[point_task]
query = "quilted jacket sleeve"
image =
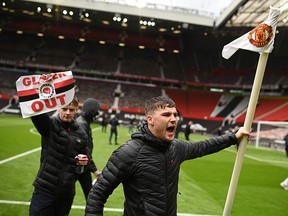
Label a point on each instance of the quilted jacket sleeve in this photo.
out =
(42, 123)
(83, 123)
(118, 167)
(190, 150)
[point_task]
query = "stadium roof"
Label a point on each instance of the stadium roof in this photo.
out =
(228, 13)
(174, 18)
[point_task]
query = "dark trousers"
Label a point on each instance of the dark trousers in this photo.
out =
(187, 136)
(47, 205)
(104, 128)
(113, 131)
(85, 181)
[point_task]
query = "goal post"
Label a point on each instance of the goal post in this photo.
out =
(270, 134)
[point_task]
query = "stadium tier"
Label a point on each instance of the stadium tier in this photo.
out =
(143, 63)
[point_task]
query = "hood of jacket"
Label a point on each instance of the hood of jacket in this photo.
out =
(90, 108)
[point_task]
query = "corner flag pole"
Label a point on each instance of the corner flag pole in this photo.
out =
(247, 126)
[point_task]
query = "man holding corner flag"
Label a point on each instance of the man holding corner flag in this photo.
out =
(148, 164)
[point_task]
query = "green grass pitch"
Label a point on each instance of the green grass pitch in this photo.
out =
(203, 183)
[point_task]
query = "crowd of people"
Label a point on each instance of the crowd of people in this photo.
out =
(141, 164)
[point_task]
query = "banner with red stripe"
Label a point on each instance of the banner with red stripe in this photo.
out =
(44, 93)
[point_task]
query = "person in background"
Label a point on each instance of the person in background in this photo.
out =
(90, 110)
(148, 164)
(188, 130)
(104, 122)
(179, 125)
(114, 122)
(131, 125)
(219, 131)
(286, 144)
(64, 150)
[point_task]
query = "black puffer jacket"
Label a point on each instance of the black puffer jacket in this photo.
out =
(149, 169)
(90, 109)
(61, 142)
(85, 124)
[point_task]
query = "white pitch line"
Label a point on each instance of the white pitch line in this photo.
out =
(19, 155)
(10, 202)
(97, 128)
(33, 131)
(14, 202)
(259, 159)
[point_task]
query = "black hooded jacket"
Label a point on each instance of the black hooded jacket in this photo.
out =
(149, 169)
(85, 124)
(89, 110)
(60, 142)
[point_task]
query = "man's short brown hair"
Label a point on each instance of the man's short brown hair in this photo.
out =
(75, 101)
(158, 102)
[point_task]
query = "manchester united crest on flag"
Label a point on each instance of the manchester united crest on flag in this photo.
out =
(260, 39)
(261, 35)
(44, 93)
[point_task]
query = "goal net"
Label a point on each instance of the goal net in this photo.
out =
(271, 134)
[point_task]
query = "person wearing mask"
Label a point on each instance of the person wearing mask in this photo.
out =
(90, 110)
(148, 164)
(63, 154)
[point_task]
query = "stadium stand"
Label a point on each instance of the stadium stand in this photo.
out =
(101, 90)
(16, 47)
(140, 62)
(67, 30)
(187, 76)
(97, 57)
(135, 95)
(7, 84)
(269, 109)
(191, 103)
(172, 67)
(24, 24)
(56, 52)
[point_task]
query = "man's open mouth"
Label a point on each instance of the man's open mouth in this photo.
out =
(170, 129)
